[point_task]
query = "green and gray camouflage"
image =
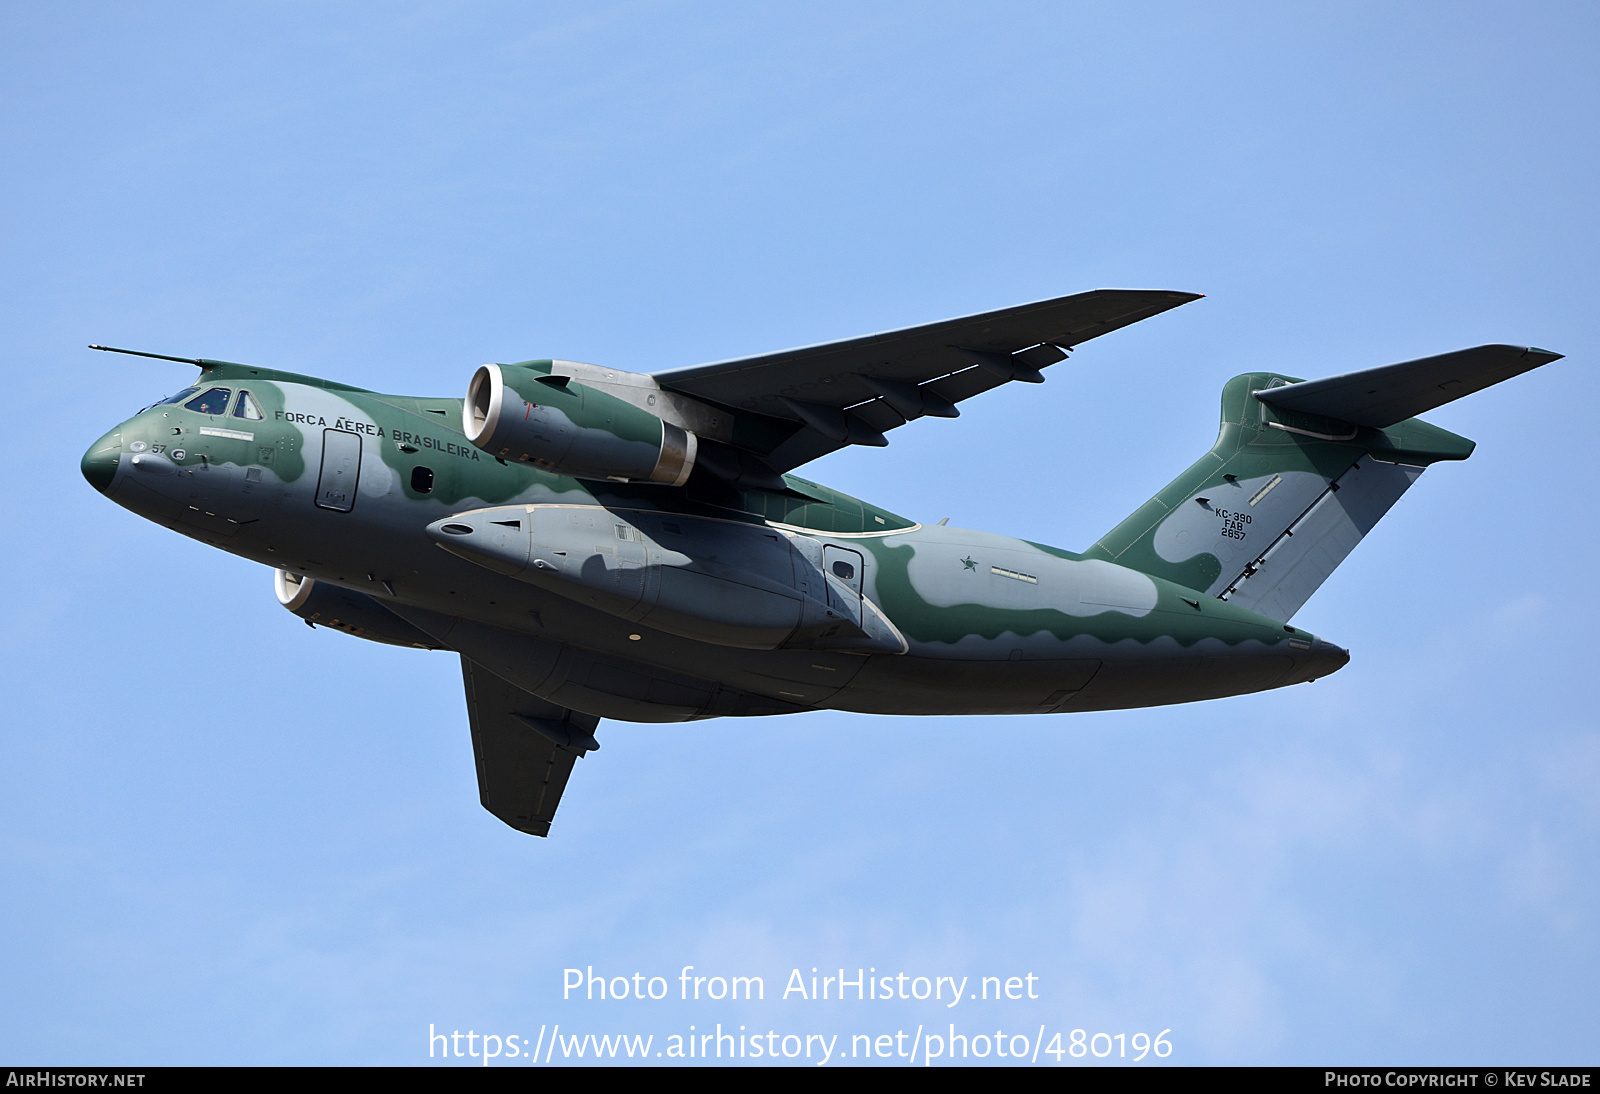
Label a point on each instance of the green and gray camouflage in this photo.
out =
(597, 544)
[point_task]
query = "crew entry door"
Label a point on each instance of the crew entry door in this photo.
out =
(341, 468)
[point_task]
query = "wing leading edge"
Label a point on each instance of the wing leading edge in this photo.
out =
(799, 404)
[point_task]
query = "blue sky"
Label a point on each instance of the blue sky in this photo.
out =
(229, 839)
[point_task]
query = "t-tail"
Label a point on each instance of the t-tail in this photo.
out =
(1300, 472)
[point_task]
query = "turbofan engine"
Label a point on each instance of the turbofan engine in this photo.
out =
(341, 609)
(562, 425)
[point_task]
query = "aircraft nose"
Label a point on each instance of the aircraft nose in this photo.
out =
(99, 464)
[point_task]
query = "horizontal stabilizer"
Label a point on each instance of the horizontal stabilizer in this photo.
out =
(1379, 397)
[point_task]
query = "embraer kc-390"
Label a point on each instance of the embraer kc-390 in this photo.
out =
(597, 543)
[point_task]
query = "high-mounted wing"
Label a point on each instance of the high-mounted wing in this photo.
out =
(799, 404)
(524, 747)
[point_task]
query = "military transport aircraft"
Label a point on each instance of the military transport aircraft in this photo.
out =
(597, 543)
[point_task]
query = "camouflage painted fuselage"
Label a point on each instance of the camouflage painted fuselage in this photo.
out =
(326, 485)
(596, 543)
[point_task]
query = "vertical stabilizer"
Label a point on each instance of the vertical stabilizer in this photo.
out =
(1283, 496)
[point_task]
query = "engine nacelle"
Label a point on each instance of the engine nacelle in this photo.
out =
(667, 571)
(346, 610)
(562, 425)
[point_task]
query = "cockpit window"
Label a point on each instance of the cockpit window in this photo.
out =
(247, 407)
(178, 398)
(214, 401)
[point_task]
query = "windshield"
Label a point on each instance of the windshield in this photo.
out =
(178, 398)
(214, 401)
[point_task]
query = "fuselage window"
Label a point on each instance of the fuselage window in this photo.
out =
(214, 401)
(422, 479)
(178, 398)
(844, 570)
(247, 407)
